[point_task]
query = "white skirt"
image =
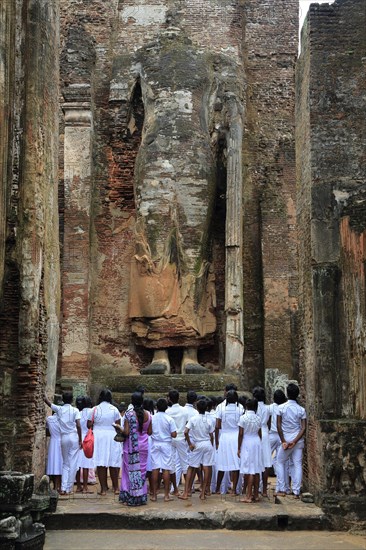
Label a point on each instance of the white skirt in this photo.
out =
(227, 459)
(251, 461)
(266, 448)
(54, 457)
(107, 452)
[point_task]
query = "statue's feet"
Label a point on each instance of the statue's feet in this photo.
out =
(190, 364)
(160, 363)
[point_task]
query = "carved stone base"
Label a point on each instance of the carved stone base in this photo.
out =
(160, 363)
(155, 368)
(195, 368)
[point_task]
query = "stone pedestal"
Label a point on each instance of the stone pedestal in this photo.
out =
(20, 507)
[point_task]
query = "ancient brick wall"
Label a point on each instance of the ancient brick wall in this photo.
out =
(262, 38)
(29, 306)
(332, 223)
(270, 270)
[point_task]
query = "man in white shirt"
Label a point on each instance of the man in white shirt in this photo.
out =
(163, 431)
(291, 426)
(189, 406)
(71, 442)
(180, 416)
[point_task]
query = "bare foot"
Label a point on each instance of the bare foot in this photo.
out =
(208, 493)
(175, 493)
(183, 496)
(153, 498)
(246, 500)
(86, 492)
(202, 497)
(279, 494)
(168, 499)
(265, 495)
(79, 490)
(102, 494)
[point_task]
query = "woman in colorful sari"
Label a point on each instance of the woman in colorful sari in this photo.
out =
(137, 428)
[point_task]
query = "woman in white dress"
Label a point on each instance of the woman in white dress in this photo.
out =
(264, 412)
(250, 450)
(226, 440)
(85, 463)
(54, 456)
(107, 452)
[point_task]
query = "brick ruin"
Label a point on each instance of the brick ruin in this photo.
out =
(331, 214)
(293, 253)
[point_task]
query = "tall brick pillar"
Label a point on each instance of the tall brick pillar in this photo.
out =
(76, 261)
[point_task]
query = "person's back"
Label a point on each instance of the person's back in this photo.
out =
(53, 426)
(162, 427)
(292, 414)
(178, 413)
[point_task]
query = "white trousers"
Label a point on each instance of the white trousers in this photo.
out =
(70, 456)
(275, 442)
(181, 458)
(296, 470)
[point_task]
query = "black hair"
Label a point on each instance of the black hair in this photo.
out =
(279, 397)
(173, 396)
(210, 403)
(232, 397)
(137, 400)
(80, 402)
(67, 397)
(243, 400)
(122, 407)
(292, 391)
(162, 404)
(259, 393)
(219, 399)
(140, 389)
(88, 402)
(202, 406)
(191, 397)
(252, 405)
(105, 395)
(148, 405)
(199, 397)
(231, 386)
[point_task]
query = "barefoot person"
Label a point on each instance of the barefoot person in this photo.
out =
(69, 422)
(54, 455)
(180, 447)
(291, 426)
(250, 450)
(226, 440)
(199, 436)
(264, 412)
(136, 428)
(107, 452)
(86, 464)
(163, 431)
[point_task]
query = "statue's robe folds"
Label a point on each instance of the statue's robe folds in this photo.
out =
(172, 293)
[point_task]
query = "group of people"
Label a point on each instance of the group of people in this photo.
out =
(229, 444)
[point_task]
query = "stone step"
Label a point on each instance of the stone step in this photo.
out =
(217, 512)
(108, 377)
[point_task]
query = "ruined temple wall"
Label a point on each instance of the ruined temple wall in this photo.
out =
(331, 220)
(30, 294)
(261, 36)
(270, 269)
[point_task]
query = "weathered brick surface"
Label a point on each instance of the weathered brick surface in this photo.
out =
(262, 37)
(29, 308)
(330, 130)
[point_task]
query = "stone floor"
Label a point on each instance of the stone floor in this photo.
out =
(91, 511)
(202, 540)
